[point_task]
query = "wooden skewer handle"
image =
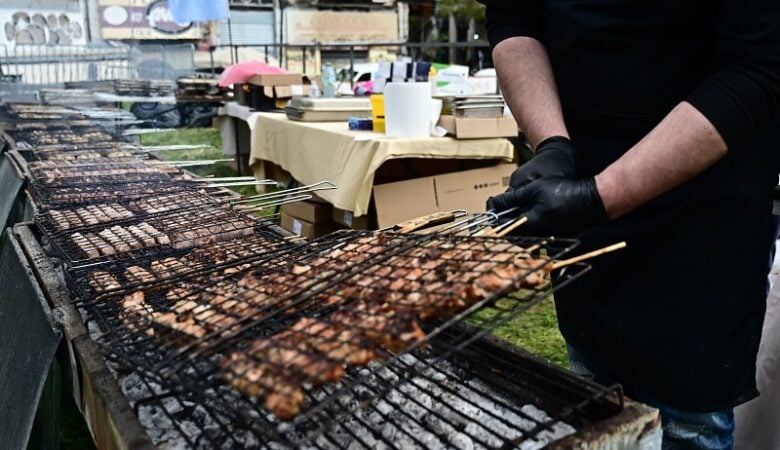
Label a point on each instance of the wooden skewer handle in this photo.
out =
(421, 222)
(589, 255)
(512, 227)
(487, 231)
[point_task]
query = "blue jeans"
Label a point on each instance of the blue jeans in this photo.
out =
(683, 430)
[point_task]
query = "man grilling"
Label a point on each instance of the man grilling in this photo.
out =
(657, 123)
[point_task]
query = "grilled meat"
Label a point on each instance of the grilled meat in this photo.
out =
(89, 215)
(170, 202)
(377, 312)
(118, 239)
(101, 281)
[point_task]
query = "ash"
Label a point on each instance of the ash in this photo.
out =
(169, 419)
(436, 409)
(409, 404)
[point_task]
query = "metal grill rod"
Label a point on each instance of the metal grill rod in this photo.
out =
(321, 186)
(189, 163)
(273, 203)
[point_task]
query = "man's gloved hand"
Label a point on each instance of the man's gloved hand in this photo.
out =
(554, 206)
(555, 157)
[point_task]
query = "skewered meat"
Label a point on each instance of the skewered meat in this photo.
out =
(89, 215)
(213, 225)
(282, 398)
(117, 239)
(170, 202)
(101, 281)
(376, 311)
(138, 275)
(135, 313)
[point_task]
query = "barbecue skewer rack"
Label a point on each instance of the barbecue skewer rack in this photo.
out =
(354, 340)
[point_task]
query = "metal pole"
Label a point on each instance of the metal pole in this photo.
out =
(351, 66)
(453, 38)
(164, 52)
(93, 22)
(230, 39)
(282, 4)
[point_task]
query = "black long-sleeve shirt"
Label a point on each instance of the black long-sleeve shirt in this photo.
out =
(678, 314)
(641, 57)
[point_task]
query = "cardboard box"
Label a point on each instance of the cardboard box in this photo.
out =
(479, 127)
(266, 98)
(276, 79)
(288, 91)
(300, 227)
(309, 211)
(469, 190)
(348, 219)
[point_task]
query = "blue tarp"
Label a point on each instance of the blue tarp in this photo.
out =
(184, 11)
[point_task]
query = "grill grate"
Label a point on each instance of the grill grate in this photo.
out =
(62, 150)
(209, 333)
(155, 235)
(446, 395)
(65, 135)
(55, 222)
(48, 179)
(84, 160)
(49, 197)
(93, 285)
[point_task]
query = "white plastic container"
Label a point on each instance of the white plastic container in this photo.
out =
(407, 110)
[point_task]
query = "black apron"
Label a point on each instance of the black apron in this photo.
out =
(677, 314)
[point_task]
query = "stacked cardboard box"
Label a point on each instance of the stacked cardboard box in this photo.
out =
(469, 190)
(347, 219)
(308, 219)
(473, 117)
(272, 92)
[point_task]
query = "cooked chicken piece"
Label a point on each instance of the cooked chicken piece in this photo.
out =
(101, 281)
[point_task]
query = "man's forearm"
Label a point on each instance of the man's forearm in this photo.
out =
(683, 145)
(528, 84)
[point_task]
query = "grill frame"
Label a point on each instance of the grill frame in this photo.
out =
(169, 225)
(161, 374)
(155, 398)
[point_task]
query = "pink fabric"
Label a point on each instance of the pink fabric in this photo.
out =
(239, 73)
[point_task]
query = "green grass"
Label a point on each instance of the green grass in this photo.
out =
(536, 330)
(196, 136)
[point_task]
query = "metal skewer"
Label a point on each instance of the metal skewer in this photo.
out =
(273, 204)
(321, 186)
(190, 163)
(162, 148)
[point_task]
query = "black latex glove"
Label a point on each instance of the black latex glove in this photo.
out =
(554, 206)
(555, 157)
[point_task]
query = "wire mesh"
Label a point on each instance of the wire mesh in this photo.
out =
(153, 235)
(92, 285)
(286, 345)
(435, 396)
(48, 197)
(54, 222)
(65, 135)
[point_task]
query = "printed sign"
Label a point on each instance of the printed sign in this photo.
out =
(142, 19)
(35, 26)
(305, 26)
